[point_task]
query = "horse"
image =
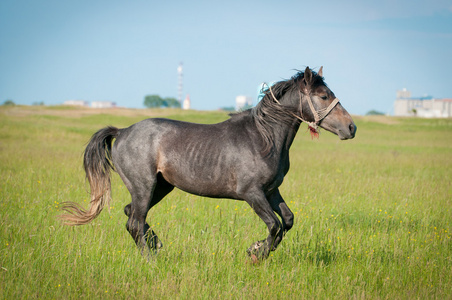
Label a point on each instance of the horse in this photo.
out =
(244, 158)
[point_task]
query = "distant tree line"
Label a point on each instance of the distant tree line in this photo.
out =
(228, 108)
(155, 101)
(374, 113)
(9, 103)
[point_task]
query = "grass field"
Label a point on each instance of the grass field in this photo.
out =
(373, 218)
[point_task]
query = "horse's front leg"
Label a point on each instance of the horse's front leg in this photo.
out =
(262, 207)
(280, 207)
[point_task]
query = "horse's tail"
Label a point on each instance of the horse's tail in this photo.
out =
(97, 163)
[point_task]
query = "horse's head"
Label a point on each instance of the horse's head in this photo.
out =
(321, 107)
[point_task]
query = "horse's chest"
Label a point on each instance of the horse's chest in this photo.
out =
(276, 174)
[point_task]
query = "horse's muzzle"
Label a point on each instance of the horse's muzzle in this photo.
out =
(347, 133)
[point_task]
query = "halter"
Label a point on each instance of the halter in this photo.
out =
(319, 115)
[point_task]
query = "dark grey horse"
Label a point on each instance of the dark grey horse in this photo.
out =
(245, 157)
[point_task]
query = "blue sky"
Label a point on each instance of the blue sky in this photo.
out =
(120, 51)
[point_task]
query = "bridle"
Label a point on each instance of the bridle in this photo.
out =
(319, 115)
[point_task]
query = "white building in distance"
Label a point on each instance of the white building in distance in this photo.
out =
(103, 104)
(81, 103)
(425, 107)
(186, 104)
(243, 102)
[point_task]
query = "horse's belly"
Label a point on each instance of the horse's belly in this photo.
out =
(208, 190)
(209, 183)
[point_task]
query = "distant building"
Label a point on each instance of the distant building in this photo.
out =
(103, 104)
(186, 104)
(76, 103)
(425, 107)
(403, 94)
(243, 102)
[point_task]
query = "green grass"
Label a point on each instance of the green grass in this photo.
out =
(372, 218)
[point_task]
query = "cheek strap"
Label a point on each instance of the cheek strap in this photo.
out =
(319, 115)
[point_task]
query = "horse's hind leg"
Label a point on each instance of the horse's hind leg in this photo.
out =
(149, 238)
(137, 212)
(137, 226)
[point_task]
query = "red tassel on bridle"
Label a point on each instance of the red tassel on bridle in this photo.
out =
(314, 132)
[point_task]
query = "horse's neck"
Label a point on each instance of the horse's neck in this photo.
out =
(284, 136)
(292, 134)
(277, 123)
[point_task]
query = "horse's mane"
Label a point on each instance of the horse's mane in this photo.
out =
(268, 113)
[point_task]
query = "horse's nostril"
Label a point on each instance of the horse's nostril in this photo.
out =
(352, 128)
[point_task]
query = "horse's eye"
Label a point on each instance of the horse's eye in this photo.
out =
(324, 97)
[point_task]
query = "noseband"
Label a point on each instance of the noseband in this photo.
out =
(319, 115)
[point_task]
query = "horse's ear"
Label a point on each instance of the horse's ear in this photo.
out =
(321, 71)
(307, 76)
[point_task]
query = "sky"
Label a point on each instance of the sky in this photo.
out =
(52, 51)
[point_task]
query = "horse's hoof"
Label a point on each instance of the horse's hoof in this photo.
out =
(155, 244)
(159, 245)
(255, 247)
(258, 251)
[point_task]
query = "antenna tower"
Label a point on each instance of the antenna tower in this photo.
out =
(180, 76)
